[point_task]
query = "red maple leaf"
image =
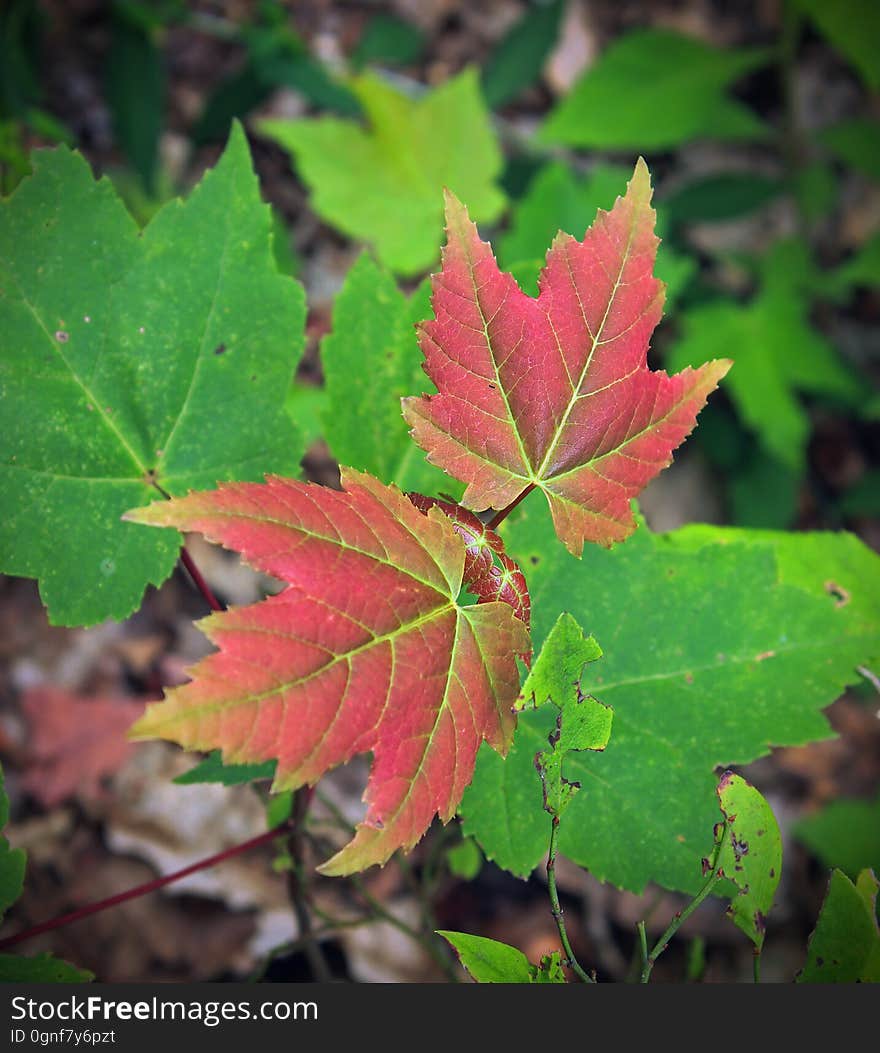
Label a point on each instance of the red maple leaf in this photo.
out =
(555, 393)
(367, 649)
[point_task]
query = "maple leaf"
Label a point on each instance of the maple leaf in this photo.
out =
(555, 392)
(366, 649)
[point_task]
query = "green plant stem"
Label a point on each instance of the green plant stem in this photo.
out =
(682, 916)
(141, 890)
(556, 910)
(643, 944)
(756, 965)
(499, 517)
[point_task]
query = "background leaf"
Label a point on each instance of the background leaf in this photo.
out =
(371, 359)
(128, 360)
(853, 28)
(682, 95)
(384, 184)
(844, 834)
(777, 353)
(518, 58)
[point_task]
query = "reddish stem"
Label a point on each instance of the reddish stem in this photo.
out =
(499, 517)
(142, 890)
(200, 583)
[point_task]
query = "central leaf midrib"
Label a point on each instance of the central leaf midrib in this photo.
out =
(596, 341)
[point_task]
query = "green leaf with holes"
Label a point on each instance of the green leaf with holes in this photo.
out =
(845, 945)
(582, 723)
(371, 359)
(750, 854)
(131, 360)
(383, 184)
(717, 645)
(778, 354)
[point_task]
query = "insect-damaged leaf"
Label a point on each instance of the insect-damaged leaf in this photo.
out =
(130, 358)
(750, 854)
(555, 392)
(583, 723)
(367, 649)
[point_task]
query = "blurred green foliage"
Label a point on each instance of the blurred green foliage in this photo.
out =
(375, 146)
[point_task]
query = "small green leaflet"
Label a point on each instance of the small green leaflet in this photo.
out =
(384, 185)
(371, 359)
(845, 945)
(556, 200)
(13, 967)
(129, 359)
(654, 89)
(777, 354)
(704, 631)
(212, 769)
(844, 834)
(582, 723)
(492, 962)
(750, 854)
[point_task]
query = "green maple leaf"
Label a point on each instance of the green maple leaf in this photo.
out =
(777, 354)
(716, 645)
(384, 184)
(129, 361)
(682, 95)
(371, 359)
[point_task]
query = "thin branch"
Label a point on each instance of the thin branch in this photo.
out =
(199, 582)
(682, 916)
(556, 910)
(141, 890)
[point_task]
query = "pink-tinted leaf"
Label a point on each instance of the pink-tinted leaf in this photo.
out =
(366, 649)
(485, 578)
(555, 392)
(74, 742)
